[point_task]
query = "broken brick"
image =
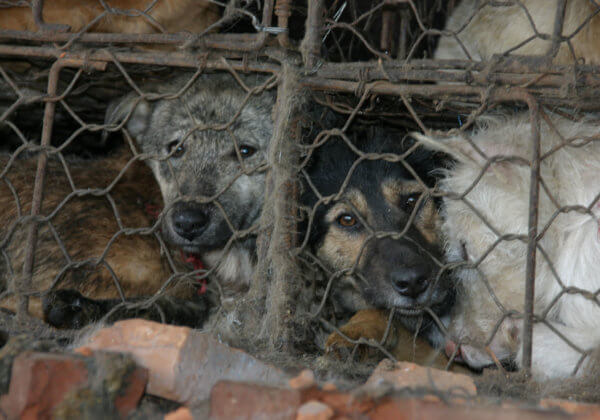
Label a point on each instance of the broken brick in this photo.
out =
(183, 364)
(47, 385)
(403, 375)
(239, 400)
(314, 410)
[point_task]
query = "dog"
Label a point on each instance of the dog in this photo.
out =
(485, 29)
(78, 250)
(375, 226)
(207, 148)
(492, 172)
(140, 17)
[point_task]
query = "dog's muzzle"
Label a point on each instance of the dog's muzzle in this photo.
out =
(189, 220)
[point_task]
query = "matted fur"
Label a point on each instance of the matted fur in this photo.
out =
(485, 30)
(570, 241)
(85, 225)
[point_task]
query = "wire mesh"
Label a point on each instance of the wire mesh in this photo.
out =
(295, 138)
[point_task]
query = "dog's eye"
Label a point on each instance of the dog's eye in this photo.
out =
(408, 202)
(347, 220)
(246, 151)
(177, 149)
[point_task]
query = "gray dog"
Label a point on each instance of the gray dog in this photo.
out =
(207, 149)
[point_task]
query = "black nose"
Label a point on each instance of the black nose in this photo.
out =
(410, 281)
(189, 220)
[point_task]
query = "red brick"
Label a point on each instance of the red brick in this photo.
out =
(314, 410)
(237, 400)
(182, 413)
(47, 384)
(415, 409)
(306, 379)
(183, 364)
(39, 382)
(129, 397)
(342, 403)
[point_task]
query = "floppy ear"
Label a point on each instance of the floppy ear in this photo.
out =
(131, 108)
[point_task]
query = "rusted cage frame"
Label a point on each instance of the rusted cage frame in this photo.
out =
(523, 80)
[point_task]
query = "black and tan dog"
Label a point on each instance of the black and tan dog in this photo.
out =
(376, 227)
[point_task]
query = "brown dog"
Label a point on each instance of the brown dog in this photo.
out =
(139, 17)
(87, 226)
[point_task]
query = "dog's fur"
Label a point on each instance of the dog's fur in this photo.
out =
(485, 30)
(196, 142)
(86, 225)
(379, 197)
(172, 15)
(570, 242)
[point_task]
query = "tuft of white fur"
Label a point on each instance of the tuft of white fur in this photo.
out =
(570, 241)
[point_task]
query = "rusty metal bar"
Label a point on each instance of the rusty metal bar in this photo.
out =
(558, 26)
(38, 18)
(513, 72)
(283, 11)
(233, 42)
(534, 192)
(162, 58)
(311, 44)
(38, 188)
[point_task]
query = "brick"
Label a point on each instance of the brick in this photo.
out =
(342, 403)
(182, 413)
(183, 364)
(306, 379)
(314, 410)
(39, 382)
(414, 409)
(47, 385)
(402, 375)
(237, 400)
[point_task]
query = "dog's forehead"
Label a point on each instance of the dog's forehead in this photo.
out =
(224, 116)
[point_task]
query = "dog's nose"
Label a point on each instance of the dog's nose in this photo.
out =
(189, 220)
(410, 281)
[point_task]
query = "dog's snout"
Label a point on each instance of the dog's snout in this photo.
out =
(410, 281)
(189, 220)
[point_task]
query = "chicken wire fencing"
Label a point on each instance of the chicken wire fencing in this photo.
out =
(321, 177)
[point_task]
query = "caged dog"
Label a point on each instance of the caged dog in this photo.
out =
(497, 155)
(483, 28)
(206, 146)
(208, 151)
(378, 234)
(128, 16)
(81, 247)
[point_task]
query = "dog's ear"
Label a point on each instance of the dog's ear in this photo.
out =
(130, 110)
(456, 147)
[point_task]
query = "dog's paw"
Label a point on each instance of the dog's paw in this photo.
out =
(69, 309)
(367, 326)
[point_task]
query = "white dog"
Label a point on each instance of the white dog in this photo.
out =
(507, 26)
(568, 257)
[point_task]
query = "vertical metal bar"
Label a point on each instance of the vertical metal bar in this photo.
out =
(311, 44)
(534, 191)
(38, 188)
(37, 7)
(388, 16)
(405, 16)
(283, 11)
(559, 18)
